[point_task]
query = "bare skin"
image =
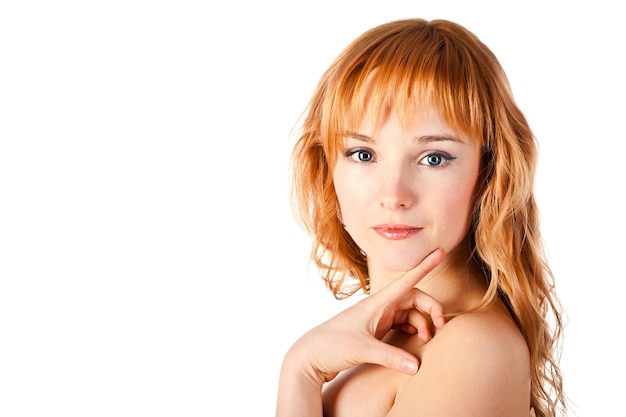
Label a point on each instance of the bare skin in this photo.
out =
(355, 334)
(404, 190)
(476, 365)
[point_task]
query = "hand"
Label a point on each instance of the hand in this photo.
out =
(354, 336)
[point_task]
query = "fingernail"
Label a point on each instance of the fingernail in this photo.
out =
(409, 366)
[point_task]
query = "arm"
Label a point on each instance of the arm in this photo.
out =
(353, 337)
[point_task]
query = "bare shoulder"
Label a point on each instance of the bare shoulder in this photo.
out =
(477, 365)
(490, 335)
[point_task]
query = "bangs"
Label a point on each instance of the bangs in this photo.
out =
(416, 65)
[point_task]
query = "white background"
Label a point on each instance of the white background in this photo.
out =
(149, 263)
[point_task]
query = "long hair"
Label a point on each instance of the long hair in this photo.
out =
(400, 64)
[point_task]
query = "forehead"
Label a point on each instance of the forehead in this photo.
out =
(416, 118)
(370, 97)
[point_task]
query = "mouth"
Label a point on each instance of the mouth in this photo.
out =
(396, 231)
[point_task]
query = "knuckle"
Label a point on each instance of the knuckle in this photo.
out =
(390, 359)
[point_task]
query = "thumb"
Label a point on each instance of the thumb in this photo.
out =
(392, 357)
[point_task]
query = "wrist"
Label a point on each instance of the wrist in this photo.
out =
(299, 388)
(297, 364)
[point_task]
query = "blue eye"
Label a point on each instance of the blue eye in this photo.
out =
(360, 155)
(436, 160)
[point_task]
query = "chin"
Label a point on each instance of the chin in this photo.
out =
(402, 262)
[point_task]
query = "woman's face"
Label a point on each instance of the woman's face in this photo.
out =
(405, 191)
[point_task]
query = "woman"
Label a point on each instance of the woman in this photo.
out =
(414, 175)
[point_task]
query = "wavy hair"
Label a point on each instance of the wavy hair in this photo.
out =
(402, 63)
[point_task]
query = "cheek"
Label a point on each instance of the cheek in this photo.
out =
(464, 199)
(457, 212)
(350, 194)
(349, 205)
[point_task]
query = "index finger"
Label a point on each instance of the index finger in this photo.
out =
(409, 279)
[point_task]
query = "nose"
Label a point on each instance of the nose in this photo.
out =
(396, 190)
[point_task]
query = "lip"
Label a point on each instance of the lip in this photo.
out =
(396, 231)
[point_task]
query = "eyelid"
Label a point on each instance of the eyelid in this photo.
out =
(445, 155)
(349, 152)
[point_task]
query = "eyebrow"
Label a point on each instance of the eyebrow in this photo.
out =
(358, 136)
(421, 139)
(438, 138)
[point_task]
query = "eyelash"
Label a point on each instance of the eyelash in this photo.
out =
(447, 158)
(351, 152)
